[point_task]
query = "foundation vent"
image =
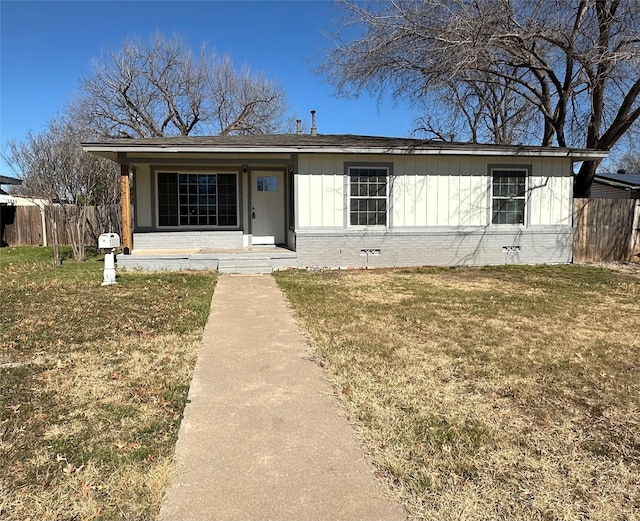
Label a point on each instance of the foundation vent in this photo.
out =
(367, 252)
(510, 249)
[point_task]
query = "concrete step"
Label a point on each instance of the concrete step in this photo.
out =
(245, 265)
(249, 270)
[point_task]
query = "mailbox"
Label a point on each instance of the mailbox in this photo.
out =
(108, 241)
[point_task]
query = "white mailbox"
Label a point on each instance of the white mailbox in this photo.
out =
(108, 241)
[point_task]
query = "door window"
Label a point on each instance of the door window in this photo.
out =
(267, 183)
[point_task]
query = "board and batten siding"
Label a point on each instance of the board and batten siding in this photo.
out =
(431, 191)
(143, 203)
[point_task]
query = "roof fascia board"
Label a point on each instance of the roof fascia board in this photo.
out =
(168, 161)
(574, 154)
(616, 184)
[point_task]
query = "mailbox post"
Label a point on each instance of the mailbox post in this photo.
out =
(108, 242)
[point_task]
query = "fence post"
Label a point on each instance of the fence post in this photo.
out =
(634, 242)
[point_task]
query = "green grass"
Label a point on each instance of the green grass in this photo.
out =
(488, 393)
(93, 382)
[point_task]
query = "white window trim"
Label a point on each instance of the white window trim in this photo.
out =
(387, 169)
(194, 227)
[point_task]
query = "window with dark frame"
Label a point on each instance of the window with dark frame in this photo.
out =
(368, 196)
(197, 199)
(509, 188)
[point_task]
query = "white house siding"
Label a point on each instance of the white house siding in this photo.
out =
(319, 186)
(440, 213)
(432, 190)
(143, 203)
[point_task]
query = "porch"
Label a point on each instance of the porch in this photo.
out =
(254, 259)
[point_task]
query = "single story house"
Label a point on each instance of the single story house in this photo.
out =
(341, 201)
(620, 185)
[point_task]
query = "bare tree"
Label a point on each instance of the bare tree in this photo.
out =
(53, 166)
(468, 110)
(244, 103)
(630, 162)
(163, 89)
(576, 62)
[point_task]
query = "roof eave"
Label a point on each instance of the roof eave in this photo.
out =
(574, 154)
(616, 184)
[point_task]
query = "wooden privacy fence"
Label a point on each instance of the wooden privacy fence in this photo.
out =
(606, 230)
(23, 225)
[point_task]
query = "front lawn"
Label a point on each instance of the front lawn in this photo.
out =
(506, 393)
(93, 382)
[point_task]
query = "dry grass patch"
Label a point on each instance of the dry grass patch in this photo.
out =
(488, 393)
(93, 382)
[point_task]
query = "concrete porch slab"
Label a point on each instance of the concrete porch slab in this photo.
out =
(256, 259)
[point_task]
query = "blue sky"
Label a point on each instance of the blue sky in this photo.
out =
(47, 45)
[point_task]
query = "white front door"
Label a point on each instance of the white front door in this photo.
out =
(267, 208)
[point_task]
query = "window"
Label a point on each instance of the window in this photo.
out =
(197, 199)
(508, 197)
(368, 196)
(267, 183)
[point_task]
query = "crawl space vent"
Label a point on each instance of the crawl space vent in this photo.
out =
(510, 249)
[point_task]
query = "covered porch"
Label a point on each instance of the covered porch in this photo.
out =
(204, 207)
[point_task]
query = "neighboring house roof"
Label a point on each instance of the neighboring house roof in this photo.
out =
(620, 180)
(326, 143)
(6, 180)
(5, 198)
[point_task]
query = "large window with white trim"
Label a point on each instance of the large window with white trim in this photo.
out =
(198, 199)
(368, 196)
(509, 190)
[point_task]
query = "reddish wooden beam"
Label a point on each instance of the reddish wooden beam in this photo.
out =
(125, 203)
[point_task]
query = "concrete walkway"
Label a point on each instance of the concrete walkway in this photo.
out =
(262, 437)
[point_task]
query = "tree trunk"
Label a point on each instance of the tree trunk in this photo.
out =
(584, 179)
(55, 237)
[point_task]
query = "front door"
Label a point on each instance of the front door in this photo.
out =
(267, 208)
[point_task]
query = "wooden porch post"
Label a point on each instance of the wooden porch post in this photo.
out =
(125, 203)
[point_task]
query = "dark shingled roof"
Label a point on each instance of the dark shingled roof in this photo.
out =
(277, 140)
(319, 142)
(6, 180)
(287, 141)
(631, 181)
